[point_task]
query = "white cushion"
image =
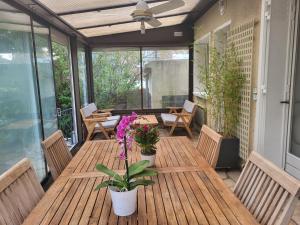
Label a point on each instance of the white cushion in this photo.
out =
(87, 111)
(169, 118)
(117, 117)
(189, 106)
(93, 107)
(108, 124)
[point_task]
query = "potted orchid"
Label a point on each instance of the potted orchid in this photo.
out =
(146, 137)
(123, 188)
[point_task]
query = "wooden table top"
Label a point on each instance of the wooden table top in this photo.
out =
(146, 120)
(186, 190)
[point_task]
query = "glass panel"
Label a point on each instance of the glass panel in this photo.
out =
(127, 27)
(20, 128)
(117, 82)
(46, 78)
(82, 77)
(64, 87)
(165, 77)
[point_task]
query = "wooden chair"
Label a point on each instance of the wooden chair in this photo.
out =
(20, 191)
(182, 119)
(102, 112)
(269, 193)
(209, 144)
(57, 153)
(97, 124)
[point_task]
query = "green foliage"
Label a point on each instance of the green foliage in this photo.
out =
(122, 183)
(116, 74)
(147, 137)
(223, 83)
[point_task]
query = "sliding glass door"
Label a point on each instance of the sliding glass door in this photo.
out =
(20, 121)
(64, 86)
(45, 78)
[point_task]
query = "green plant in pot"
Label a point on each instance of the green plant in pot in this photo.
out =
(123, 188)
(223, 82)
(147, 137)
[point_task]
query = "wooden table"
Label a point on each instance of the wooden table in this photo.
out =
(186, 191)
(146, 120)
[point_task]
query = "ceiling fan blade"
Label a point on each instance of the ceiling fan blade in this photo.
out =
(168, 6)
(154, 22)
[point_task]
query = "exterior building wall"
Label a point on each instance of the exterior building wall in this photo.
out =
(237, 12)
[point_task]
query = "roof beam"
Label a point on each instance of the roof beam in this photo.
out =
(129, 21)
(105, 8)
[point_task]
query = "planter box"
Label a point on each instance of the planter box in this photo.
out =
(229, 154)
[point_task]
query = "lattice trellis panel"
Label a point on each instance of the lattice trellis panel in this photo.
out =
(242, 38)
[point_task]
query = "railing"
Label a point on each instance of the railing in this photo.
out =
(65, 123)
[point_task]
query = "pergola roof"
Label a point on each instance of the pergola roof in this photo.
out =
(102, 17)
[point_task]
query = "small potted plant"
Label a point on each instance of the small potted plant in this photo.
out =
(147, 137)
(123, 188)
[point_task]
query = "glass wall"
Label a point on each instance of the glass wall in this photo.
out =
(20, 124)
(46, 78)
(165, 77)
(82, 76)
(64, 86)
(117, 79)
(120, 74)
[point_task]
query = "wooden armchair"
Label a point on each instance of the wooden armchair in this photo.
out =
(269, 193)
(182, 119)
(20, 191)
(97, 124)
(209, 144)
(57, 153)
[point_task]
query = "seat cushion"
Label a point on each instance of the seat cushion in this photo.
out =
(108, 124)
(189, 106)
(169, 118)
(116, 117)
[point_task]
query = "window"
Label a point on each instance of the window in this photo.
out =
(20, 121)
(82, 76)
(201, 61)
(117, 82)
(220, 37)
(165, 77)
(123, 76)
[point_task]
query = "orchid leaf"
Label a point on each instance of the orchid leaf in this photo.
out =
(109, 183)
(145, 173)
(109, 172)
(140, 183)
(137, 167)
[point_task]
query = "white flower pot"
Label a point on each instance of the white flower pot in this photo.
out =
(151, 158)
(124, 203)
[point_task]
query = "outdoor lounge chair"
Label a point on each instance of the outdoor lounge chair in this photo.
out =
(20, 192)
(57, 153)
(182, 119)
(102, 112)
(268, 192)
(209, 144)
(96, 123)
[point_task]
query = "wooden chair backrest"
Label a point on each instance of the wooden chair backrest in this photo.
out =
(209, 144)
(20, 191)
(189, 108)
(57, 153)
(269, 193)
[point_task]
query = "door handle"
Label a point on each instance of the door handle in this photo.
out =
(285, 102)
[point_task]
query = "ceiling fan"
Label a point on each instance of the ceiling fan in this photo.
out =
(144, 14)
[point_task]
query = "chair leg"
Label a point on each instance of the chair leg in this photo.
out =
(172, 129)
(189, 131)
